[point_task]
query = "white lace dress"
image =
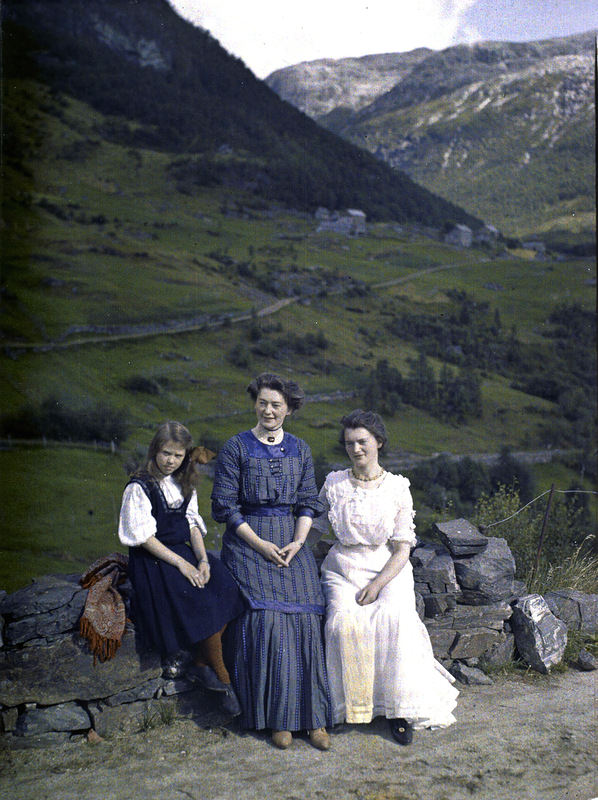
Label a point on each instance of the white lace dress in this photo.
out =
(379, 656)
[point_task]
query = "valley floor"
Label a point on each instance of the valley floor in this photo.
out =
(524, 738)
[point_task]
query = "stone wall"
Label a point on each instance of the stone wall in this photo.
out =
(475, 611)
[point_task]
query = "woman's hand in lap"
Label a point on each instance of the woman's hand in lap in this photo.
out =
(196, 576)
(289, 551)
(271, 553)
(369, 594)
(204, 571)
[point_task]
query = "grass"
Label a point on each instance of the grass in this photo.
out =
(155, 715)
(59, 509)
(160, 255)
(578, 571)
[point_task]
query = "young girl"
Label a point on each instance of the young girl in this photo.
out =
(183, 598)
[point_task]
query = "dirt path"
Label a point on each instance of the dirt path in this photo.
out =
(518, 739)
(190, 327)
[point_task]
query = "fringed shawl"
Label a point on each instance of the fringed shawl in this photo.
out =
(104, 616)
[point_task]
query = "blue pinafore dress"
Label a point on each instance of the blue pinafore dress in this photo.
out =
(169, 613)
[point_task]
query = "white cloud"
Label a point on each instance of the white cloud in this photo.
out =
(269, 34)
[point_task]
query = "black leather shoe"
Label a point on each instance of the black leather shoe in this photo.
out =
(206, 677)
(401, 730)
(229, 702)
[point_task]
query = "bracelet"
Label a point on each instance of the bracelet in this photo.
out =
(203, 561)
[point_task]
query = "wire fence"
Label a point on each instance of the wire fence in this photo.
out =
(539, 497)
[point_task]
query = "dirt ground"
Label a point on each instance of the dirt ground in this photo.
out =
(520, 738)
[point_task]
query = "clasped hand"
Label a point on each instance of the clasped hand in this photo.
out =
(281, 556)
(197, 576)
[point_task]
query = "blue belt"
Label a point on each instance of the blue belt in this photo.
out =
(266, 511)
(285, 608)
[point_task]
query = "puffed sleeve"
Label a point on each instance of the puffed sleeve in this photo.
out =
(308, 503)
(404, 527)
(136, 523)
(194, 518)
(319, 527)
(226, 501)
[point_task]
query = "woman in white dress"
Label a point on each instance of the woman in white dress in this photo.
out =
(378, 652)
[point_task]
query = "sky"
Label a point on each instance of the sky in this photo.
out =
(271, 34)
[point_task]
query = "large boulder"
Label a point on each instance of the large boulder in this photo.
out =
(488, 576)
(540, 637)
(578, 611)
(461, 537)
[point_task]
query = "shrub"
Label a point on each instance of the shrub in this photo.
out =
(57, 419)
(140, 384)
(240, 356)
(564, 559)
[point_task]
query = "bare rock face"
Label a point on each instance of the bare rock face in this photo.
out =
(319, 87)
(65, 670)
(44, 594)
(488, 576)
(501, 652)
(540, 637)
(578, 610)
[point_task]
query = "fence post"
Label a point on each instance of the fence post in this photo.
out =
(542, 532)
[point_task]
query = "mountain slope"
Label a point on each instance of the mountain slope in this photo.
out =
(348, 84)
(505, 129)
(169, 86)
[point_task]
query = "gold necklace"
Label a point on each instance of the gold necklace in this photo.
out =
(368, 480)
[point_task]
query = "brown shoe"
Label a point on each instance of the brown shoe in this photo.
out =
(282, 739)
(319, 739)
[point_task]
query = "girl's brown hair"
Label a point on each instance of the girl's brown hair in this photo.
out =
(176, 432)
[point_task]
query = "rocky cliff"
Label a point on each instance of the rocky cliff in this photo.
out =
(505, 129)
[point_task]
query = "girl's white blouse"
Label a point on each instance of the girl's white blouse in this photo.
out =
(136, 523)
(373, 516)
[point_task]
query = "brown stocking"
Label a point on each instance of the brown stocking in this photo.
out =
(209, 652)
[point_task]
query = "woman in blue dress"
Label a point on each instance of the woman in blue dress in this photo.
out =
(265, 492)
(183, 597)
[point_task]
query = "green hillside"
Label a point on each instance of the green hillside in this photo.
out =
(168, 86)
(127, 300)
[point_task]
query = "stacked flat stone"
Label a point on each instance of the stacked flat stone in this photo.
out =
(476, 613)
(51, 689)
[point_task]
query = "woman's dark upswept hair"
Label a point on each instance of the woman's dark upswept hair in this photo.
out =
(369, 420)
(170, 431)
(292, 393)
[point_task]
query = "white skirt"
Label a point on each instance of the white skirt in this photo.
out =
(379, 656)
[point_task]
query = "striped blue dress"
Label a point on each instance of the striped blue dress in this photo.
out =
(275, 649)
